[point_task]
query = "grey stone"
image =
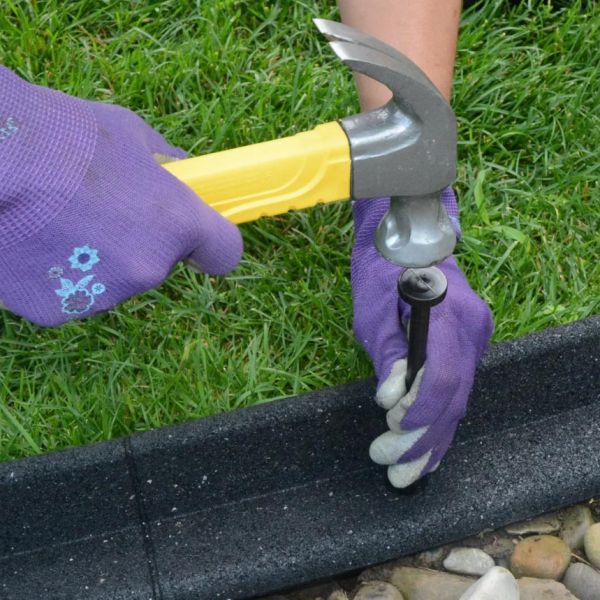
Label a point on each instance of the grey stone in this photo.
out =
(431, 559)
(543, 524)
(595, 507)
(576, 520)
(377, 590)
(468, 561)
(591, 544)
(338, 595)
(583, 581)
(428, 559)
(496, 584)
(498, 545)
(425, 584)
(543, 589)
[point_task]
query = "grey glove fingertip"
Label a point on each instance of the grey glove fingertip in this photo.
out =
(396, 414)
(389, 447)
(394, 387)
(401, 476)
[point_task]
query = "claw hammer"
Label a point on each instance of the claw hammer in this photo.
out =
(405, 149)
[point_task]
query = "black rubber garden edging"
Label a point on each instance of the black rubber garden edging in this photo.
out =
(272, 496)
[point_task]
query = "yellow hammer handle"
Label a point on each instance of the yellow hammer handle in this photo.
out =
(273, 177)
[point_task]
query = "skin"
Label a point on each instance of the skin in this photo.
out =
(424, 30)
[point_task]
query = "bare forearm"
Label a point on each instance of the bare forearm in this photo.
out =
(424, 30)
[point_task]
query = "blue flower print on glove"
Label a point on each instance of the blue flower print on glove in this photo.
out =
(84, 258)
(76, 298)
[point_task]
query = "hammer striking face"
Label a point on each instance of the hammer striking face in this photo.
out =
(405, 150)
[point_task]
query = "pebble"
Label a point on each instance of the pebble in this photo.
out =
(591, 543)
(595, 507)
(496, 584)
(338, 595)
(468, 561)
(543, 589)
(499, 546)
(576, 520)
(538, 561)
(583, 581)
(424, 584)
(432, 559)
(541, 556)
(377, 590)
(543, 524)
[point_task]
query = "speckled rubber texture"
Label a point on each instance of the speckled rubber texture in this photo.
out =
(277, 495)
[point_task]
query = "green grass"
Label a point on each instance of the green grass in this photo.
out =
(213, 75)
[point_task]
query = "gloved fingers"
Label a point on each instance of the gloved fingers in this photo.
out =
(467, 309)
(394, 387)
(438, 438)
(206, 240)
(219, 250)
(447, 366)
(392, 447)
(212, 244)
(396, 414)
(159, 146)
(136, 128)
(161, 150)
(441, 448)
(389, 447)
(376, 311)
(155, 142)
(397, 445)
(401, 476)
(217, 243)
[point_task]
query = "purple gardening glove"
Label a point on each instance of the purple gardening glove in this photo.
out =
(422, 423)
(88, 218)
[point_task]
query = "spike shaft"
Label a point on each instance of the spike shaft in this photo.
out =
(422, 289)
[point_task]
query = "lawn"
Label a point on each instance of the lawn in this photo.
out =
(215, 75)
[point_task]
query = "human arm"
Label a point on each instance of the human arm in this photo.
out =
(423, 421)
(424, 30)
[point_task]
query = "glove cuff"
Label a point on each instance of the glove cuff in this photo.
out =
(47, 141)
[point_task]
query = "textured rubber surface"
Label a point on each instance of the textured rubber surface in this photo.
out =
(280, 494)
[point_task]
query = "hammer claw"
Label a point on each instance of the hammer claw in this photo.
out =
(338, 32)
(382, 66)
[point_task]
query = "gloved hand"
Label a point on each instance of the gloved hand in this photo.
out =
(88, 217)
(421, 423)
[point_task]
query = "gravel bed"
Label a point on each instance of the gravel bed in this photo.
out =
(550, 557)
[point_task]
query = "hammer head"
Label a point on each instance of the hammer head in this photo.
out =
(406, 149)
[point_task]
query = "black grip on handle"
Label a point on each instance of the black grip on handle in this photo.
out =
(422, 289)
